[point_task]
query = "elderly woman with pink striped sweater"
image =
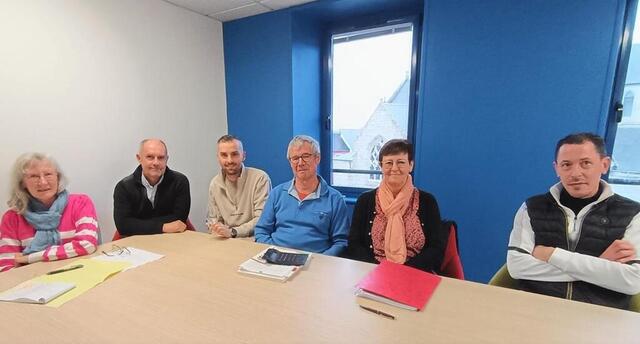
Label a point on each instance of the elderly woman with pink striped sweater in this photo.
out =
(44, 221)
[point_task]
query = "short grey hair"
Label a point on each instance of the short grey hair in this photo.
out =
(299, 140)
(166, 151)
(18, 194)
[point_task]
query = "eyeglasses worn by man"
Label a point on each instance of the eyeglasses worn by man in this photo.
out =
(305, 213)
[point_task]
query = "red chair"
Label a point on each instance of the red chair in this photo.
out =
(451, 264)
(190, 227)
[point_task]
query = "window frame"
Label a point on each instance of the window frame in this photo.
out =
(361, 24)
(614, 117)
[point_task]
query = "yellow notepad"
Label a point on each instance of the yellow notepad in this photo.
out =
(92, 273)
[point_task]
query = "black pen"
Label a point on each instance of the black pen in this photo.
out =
(73, 267)
(386, 315)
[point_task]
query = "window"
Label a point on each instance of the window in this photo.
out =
(374, 163)
(372, 78)
(624, 175)
(627, 104)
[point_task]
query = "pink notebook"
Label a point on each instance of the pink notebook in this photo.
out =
(400, 283)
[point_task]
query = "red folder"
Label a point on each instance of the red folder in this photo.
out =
(401, 283)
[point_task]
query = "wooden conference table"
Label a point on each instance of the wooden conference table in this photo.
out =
(195, 295)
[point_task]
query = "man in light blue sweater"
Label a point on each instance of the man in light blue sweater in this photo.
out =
(305, 213)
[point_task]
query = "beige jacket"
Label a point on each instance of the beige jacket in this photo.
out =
(239, 206)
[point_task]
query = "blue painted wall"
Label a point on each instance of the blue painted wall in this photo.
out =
(258, 76)
(307, 71)
(501, 81)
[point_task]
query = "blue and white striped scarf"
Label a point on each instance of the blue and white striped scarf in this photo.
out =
(45, 222)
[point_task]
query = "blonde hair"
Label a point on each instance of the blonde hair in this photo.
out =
(18, 194)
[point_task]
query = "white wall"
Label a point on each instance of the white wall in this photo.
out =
(86, 80)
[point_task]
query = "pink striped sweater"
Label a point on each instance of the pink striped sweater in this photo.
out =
(78, 234)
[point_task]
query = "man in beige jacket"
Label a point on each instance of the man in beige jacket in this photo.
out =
(237, 194)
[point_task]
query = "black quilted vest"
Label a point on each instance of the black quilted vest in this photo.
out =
(604, 223)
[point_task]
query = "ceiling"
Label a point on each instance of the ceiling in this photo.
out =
(226, 10)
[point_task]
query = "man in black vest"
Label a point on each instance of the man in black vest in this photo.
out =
(153, 199)
(579, 240)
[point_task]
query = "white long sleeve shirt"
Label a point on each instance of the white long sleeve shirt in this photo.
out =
(567, 266)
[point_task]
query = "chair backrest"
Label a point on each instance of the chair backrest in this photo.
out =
(634, 305)
(116, 236)
(503, 279)
(451, 264)
(190, 227)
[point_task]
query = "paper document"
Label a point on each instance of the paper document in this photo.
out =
(135, 256)
(36, 292)
(371, 296)
(258, 266)
(279, 272)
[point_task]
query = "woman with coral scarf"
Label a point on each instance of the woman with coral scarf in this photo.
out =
(397, 221)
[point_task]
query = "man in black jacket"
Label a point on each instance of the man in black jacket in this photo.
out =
(154, 199)
(579, 240)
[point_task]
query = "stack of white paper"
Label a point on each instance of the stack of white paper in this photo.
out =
(36, 292)
(278, 272)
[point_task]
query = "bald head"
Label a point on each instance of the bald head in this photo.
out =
(155, 142)
(153, 158)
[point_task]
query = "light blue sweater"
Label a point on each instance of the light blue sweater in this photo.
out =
(319, 223)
